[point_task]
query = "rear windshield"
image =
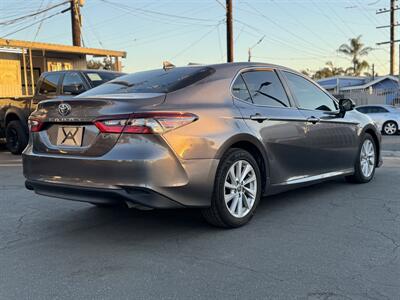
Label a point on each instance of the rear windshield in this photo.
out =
(98, 78)
(154, 81)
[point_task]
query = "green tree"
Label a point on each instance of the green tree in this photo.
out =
(355, 50)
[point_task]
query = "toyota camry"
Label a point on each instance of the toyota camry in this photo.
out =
(213, 137)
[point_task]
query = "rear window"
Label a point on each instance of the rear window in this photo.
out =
(98, 78)
(154, 81)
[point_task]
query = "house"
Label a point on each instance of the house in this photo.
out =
(22, 62)
(382, 89)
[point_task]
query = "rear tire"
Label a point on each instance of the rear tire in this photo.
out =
(237, 190)
(16, 137)
(366, 161)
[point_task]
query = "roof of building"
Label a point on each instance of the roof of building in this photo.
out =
(366, 82)
(371, 83)
(60, 48)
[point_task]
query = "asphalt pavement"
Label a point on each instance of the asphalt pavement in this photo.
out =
(330, 241)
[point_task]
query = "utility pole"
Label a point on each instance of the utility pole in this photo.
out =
(229, 31)
(76, 22)
(392, 37)
(392, 26)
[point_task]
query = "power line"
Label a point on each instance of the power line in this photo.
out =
(323, 51)
(197, 41)
(9, 22)
(30, 25)
(159, 13)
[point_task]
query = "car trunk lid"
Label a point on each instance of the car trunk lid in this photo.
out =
(67, 127)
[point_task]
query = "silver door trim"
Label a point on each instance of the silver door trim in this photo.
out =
(308, 178)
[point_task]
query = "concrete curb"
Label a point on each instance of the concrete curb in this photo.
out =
(386, 153)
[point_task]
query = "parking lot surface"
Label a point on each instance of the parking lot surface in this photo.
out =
(330, 241)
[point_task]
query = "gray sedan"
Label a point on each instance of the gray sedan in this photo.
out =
(216, 137)
(386, 117)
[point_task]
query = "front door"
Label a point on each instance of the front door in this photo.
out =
(332, 141)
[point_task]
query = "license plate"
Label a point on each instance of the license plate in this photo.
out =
(70, 136)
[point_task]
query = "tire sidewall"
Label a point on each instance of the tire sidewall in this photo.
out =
(21, 136)
(390, 122)
(359, 173)
(228, 160)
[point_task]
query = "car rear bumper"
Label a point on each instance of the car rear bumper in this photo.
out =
(131, 196)
(153, 177)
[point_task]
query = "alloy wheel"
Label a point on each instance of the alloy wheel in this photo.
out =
(240, 188)
(390, 128)
(367, 158)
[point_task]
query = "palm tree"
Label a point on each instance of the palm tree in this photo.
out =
(355, 50)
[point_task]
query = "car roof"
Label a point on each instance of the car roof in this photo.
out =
(85, 71)
(373, 105)
(231, 69)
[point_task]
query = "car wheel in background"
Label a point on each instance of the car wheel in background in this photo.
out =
(390, 128)
(237, 190)
(366, 161)
(16, 137)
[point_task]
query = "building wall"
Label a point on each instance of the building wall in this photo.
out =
(10, 75)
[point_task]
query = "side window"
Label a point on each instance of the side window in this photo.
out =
(266, 88)
(239, 89)
(363, 110)
(373, 109)
(382, 110)
(49, 84)
(309, 95)
(72, 84)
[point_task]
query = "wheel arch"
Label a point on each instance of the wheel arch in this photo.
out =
(254, 147)
(15, 115)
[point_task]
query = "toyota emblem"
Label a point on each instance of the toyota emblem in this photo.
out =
(64, 109)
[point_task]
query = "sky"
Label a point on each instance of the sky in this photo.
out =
(301, 34)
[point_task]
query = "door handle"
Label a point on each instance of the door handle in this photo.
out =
(257, 117)
(313, 120)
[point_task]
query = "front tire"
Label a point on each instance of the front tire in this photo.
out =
(237, 190)
(366, 161)
(16, 137)
(390, 128)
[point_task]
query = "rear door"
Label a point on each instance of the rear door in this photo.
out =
(269, 113)
(331, 141)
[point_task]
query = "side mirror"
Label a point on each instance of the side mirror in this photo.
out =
(346, 105)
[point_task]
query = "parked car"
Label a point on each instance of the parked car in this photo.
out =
(216, 137)
(386, 117)
(14, 112)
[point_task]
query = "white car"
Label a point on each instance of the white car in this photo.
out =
(386, 117)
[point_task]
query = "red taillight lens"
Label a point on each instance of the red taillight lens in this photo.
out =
(145, 123)
(35, 125)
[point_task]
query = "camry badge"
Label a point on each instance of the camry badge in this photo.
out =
(64, 109)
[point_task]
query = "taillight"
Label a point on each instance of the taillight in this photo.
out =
(35, 125)
(145, 123)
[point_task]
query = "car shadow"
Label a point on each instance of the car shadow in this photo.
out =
(123, 227)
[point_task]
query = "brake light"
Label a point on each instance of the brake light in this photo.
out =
(35, 125)
(145, 123)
